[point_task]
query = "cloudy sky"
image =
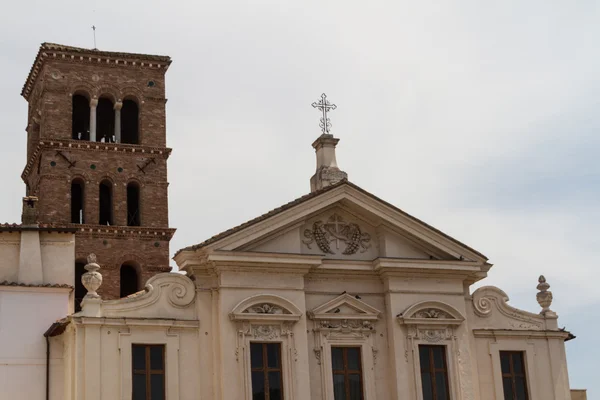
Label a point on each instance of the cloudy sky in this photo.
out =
(480, 118)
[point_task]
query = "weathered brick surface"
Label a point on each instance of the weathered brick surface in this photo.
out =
(48, 174)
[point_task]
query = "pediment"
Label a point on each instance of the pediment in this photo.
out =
(345, 307)
(342, 222)
(265, 308)
(431, 313)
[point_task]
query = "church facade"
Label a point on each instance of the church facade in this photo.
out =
(337, 295)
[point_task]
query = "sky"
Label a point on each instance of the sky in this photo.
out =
(480, 118)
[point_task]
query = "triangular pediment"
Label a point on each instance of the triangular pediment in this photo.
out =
(342, 222)
(345, 306)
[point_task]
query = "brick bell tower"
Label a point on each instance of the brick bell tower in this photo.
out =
(97, 159)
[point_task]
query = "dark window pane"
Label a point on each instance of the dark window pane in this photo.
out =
(508, 391)
(339, 387)
(438, 357)
(355, 387)
(139, 357)
(521, 388)
(440, 386)
(518, 362)
(258, 385)
(426, 385)
(505, 362)
(273, 355)
(275, 388)
(424, 357)
(157, 386)
(156, 358)
(353, 354)
(256, 355)
(337, 358)
(139, 387)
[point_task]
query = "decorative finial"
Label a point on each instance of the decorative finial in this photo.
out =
(324, 106)
(544, 297)
(92, 279)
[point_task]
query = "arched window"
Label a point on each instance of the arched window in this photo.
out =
(133, 204)
(105, 121)
(129, 279)
(129, 122)
(80, 125)
(106, 203)
(77, 201)
(80, 290)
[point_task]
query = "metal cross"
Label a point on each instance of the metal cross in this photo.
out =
(324, 106)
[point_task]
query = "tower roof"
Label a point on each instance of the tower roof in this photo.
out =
(78, 54)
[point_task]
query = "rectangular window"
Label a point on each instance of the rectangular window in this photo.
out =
(513, 375)
(267, 378)
(434, 372)
(148, 365)
(346, 366)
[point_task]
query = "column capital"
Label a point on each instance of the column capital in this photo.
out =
(118, 105)
(93, 102)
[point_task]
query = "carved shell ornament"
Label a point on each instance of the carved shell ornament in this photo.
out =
(334, 231)
(432, 313)
(264, 309)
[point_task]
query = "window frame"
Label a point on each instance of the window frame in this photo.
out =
(346, 371)
(512, 374)
(432, 370)
(148, 371)
(265, 369)
(509, 344)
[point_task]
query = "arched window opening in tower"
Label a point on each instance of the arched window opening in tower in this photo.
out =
(105, 121)
(133, 204)
(77, 190)
(81, 118)
(80, 290)
(106, 203)
(130, 122)
(129, 279)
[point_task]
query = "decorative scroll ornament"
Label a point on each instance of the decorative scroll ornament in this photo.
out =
(544, 297)
(334, 231)
(264, 309)
(92, 279)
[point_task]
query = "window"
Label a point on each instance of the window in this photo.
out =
(129, 122)
(77, 201)
(80, 290)
(129, 280)
(133, 204)
(105, 217)
(105, 124)
(267, 378)
(80, 123)
(434, 372)
(347, 373)
(148, 365)
(513, 375)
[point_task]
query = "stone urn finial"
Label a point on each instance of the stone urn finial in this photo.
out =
(544, 297)
(92, 279)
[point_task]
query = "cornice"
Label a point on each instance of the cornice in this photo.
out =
(509, 333)
(51, 51)
(117, 231)
(65, 144)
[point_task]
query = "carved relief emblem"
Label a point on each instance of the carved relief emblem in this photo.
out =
(264, 309)
(432, 313)
(334, 231)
